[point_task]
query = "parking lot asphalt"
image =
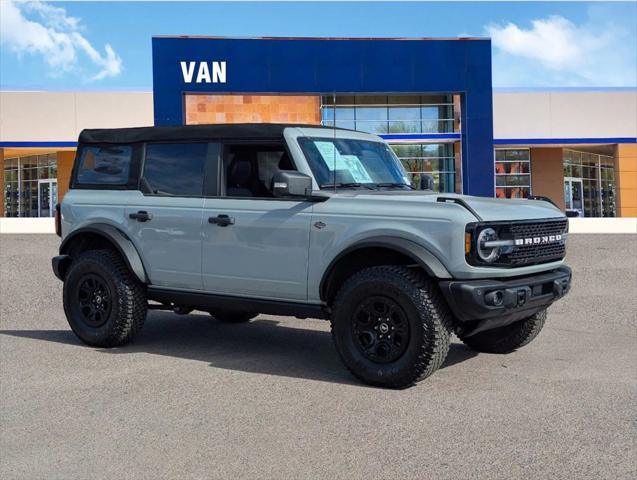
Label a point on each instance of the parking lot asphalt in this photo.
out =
(195, 398)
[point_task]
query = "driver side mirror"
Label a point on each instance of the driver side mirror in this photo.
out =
(426, 182)
(290, 183)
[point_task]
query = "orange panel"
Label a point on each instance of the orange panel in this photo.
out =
(65, 166)
(252, 108)
(547, 174)
(626, 179)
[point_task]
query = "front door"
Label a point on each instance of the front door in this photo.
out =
(47, 197)
(256, 247)
(253, 244)
(574, 194)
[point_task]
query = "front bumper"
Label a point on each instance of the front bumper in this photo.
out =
(485, 304)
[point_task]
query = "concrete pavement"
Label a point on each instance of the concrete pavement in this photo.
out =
(194, 398)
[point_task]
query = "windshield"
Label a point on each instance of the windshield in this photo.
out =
(350, 163)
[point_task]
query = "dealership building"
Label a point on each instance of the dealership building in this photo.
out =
(431, 99)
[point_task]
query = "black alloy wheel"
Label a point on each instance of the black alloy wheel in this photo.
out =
(380, 329)
(95, 300)
(104, 303)
(391, 325)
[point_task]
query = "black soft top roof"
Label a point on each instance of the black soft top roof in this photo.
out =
(256, 131)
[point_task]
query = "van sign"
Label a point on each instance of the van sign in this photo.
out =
(206, 72)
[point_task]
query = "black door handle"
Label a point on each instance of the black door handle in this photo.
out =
(141, 216)
(221, 220)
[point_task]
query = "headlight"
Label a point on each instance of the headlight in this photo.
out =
(488, 254)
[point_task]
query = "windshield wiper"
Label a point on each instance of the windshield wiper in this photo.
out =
(394, 184)
(346, 185)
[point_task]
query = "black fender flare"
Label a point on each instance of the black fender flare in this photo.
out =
(421, 256)
(120, 241)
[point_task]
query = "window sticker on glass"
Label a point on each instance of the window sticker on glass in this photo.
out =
(335, 161)
(356, 168)
(331, 155)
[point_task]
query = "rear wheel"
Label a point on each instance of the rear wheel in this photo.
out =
(508, 338)
(232, 317)
(391, 326)
(104, 304)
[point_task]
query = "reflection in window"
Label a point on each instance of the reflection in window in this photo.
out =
(175, 168)
(435, 159)
(108, 165)
(512, 173)
(23, 177)
(390, 114)
(597, 173)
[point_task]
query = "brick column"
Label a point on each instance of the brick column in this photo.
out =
(626, 179)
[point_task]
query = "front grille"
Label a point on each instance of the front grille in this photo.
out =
(522, 255)
(537, 229)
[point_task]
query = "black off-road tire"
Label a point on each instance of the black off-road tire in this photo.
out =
(508, 338)
(423, 308)
(232, 317)
(127, 296)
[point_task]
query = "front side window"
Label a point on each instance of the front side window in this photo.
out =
(175, 168)
(250, 169)
(349, 162)
(105, 165)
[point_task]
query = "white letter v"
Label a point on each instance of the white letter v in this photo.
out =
(188, 71)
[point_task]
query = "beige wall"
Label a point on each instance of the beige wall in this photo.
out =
(60, 116)
(547, 174)
(602, 114)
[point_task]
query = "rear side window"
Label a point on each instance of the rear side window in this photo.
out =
(175, 168)
(105, 165)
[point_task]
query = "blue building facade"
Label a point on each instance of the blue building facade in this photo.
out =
(387, 86)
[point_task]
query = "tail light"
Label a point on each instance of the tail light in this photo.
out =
(58, 220)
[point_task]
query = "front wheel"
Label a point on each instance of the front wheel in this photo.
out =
(104, 304)
(508, 338)
(391, 326)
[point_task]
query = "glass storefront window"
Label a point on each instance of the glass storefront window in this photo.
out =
(595, 174)
(434, 159)
(396, 114)
(390, 114)
(513, 173)
(30, 185)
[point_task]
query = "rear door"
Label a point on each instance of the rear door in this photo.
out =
(255, 245)
(165, 215)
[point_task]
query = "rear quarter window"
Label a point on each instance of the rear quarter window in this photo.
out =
(104, 165)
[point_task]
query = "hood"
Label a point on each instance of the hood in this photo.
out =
(488, 209)
(497, 209)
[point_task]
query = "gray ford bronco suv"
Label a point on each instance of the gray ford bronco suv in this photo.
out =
(241, 220)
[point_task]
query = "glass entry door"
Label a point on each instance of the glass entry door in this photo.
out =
(574, 195)
(47, 197)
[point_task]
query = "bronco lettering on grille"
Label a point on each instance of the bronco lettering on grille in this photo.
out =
(538, 240)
